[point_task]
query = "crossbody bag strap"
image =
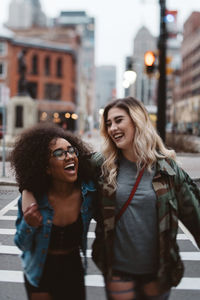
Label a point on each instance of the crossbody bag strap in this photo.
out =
(124, 207)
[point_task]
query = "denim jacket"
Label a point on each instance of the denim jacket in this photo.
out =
(34, 241)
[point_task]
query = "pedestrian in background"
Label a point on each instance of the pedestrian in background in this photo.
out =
(52, 164)
(135, 245)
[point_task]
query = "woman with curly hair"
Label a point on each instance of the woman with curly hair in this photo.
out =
(53, 165)
(144, 192)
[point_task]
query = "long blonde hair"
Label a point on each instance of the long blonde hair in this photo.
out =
(148, 146)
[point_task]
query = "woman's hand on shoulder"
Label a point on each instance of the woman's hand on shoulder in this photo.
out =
(30, 209)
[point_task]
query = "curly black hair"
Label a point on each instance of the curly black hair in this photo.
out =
(31, 153)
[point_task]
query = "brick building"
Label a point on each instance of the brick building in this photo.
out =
(50, 72)
(186, 106)
(190, 75)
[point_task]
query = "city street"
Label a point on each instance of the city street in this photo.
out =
(11, 276)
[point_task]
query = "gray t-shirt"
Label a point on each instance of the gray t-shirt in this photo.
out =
(136, 239)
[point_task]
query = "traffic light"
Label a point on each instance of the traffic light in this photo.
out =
(149, 61)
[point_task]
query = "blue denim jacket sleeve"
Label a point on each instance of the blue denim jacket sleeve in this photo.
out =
(24, 233)
(88, 209)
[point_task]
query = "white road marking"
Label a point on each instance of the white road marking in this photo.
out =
(8, 218)
(97, 280)
(11, 276)
(17, 277)
(91, 234)
(182, 236)
(4, 249)
(7, 231)
(189, 284)
(186, 231)
(9, 206)
(94, 280)
(191, 256)
(14, 208)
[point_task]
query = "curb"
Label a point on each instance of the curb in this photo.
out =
(8, 183)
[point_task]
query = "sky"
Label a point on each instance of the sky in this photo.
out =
(117, 22)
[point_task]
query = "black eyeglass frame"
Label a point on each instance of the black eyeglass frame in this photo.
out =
(71, 150)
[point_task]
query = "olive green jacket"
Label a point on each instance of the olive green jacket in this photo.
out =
(178, 198)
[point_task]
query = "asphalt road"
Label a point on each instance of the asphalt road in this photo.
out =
(11, 280)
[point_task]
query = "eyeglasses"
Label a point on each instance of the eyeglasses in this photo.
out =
(61, 154)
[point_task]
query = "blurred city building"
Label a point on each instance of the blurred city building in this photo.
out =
(186, 107)
(71, 30)
(85, 27)
(173, 61)
(51, 75)
(25, 14)
(144, 87)
(105, 87)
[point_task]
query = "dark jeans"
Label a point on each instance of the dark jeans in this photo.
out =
(63, 278)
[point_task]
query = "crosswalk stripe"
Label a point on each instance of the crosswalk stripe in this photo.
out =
(91, 234)
(97, 280)
(189, 235)
(9, 250)
(195, 256)
(8, 218)
(189, 284)
(11, 276)
(8, 231)
(8, 207)
(94, 280)
(182, 236)
(13, 218)
(17, 277)
(14, 208)
(189, 256)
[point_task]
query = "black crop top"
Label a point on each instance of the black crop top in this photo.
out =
(66, 237)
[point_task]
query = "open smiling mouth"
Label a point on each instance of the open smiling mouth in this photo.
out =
(70, 167)
(118, 136)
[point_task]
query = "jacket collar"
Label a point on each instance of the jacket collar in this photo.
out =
(164, 167)
(88, 187)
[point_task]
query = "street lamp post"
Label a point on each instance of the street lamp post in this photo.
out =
(161, 95)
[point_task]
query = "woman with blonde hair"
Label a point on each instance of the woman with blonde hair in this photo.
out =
(143, 193)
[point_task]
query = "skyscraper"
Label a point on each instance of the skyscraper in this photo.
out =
(25, 14)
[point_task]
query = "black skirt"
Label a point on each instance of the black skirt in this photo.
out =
(62, 278)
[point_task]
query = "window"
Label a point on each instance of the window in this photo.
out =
(2, 69)
(59, 67)
(47, 66)
(19, 116)
(3, 48)
(52, 91)
(35, 64)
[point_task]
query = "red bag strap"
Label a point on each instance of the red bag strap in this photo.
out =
(124, 207)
